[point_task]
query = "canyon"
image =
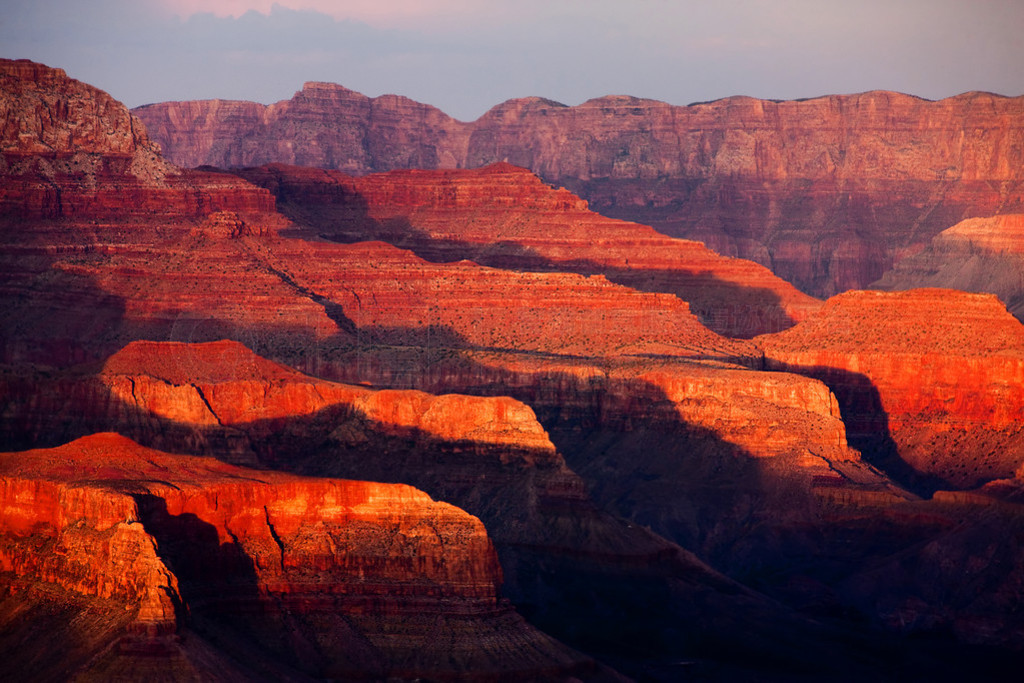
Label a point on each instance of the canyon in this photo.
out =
(454, 424)
(829, 192)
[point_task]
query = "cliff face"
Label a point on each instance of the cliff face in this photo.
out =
(70, 150)
(293, 298)
(195, 257)
(935, 374)
(506, 217)
(246, 552)
(489, 455)
(827, 192)
(224, 384)
(323, 125)
(975, 255)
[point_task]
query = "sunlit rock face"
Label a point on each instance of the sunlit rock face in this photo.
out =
(975, 255)
(934, 375)
(506, 217)
(70, 151)
(224, 384)
(183, 542)
(828, 192)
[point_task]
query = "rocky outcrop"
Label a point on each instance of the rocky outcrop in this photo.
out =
(827, 192)
(506, 217)
(291, 299)
(975, 255)
(244, 553)
(202, 269)
(223, 384)
(70, 150)
(490, 456)
(935, 375)
(324, 125)
(646, 436)
(555, 544)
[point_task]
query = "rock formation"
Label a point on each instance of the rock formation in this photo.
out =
(935, 375)
(827, 192)
(70, 151)
(489, 455)
(975, 255)
(193, 543)
(505, 217)
(594, 429)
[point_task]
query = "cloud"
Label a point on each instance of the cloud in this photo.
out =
(381, 13)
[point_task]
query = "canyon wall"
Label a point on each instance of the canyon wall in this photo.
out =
(194, 543)
(828, 192)
(504, 216)
(975, 255)
(70, 150)
(936, 376)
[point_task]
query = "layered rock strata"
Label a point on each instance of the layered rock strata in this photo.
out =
(828, 192)
(70, 151)
(936, 376)
(289, 298)
(506, 217)
(975, 255)
(347, 564)
(498, 462)
(554, 543)
(666, 423)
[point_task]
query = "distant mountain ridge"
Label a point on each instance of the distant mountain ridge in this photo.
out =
(828, 192)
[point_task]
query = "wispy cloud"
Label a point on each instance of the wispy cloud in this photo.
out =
(382, 13)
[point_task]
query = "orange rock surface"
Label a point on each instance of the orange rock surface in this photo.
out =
(288, 295)
(941, 372)
(84, 282)
(225, 384)
(164, 534)
(829, 192)
(975, 255)
(506, 217)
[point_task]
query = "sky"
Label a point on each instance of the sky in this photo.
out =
(465, 56)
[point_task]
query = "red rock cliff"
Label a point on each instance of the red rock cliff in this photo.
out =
(941, 372)
(194, 270)
(224, 384)
(506, 217)
(975, 255)
(68, 149)
(106, 517)
(828, 192)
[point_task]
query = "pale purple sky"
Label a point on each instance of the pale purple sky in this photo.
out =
(465, 56)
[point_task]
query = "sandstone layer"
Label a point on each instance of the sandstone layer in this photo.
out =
(71, 151)
(352, 567)
(935, 376)
(506, 217)
(828, 192)
(975, 255)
